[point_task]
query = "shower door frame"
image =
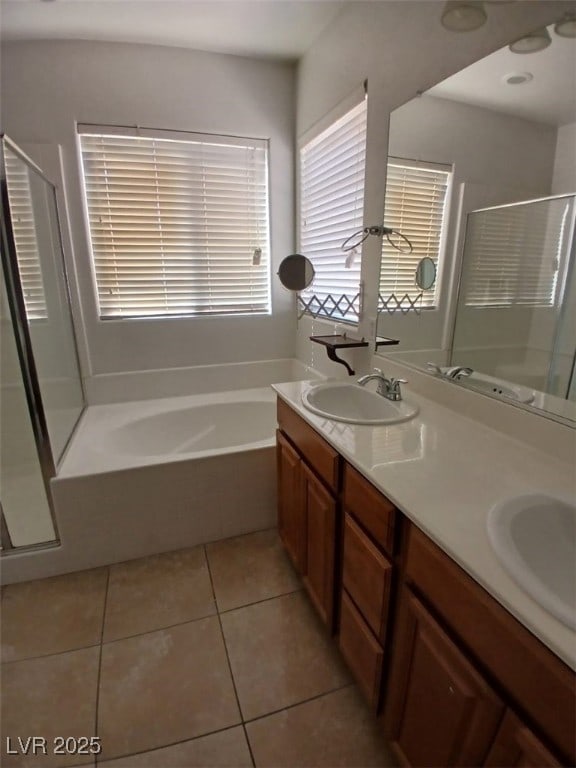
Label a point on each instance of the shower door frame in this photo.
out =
(23, 339)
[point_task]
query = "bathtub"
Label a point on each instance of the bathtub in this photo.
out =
(147, 477)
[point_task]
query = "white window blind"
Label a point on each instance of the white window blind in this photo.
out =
(416, 195)
(179, 226)
(25, 238)
(331, 208)
(513, 254)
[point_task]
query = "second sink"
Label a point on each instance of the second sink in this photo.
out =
(354, 404)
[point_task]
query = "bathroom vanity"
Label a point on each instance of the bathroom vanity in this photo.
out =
(412, 593)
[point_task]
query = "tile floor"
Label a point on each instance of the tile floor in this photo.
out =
(206, 657)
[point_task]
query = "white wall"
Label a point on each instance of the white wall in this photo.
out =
(49, 86)
(401, 49)
(564, 180)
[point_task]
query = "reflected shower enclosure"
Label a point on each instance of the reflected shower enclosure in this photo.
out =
(40, 386)
(516, 315)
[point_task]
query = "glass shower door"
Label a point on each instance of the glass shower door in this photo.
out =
(41, 384)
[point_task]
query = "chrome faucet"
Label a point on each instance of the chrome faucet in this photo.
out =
(389, 388)
(458, 372)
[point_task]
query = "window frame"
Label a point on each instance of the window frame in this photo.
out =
(356, 99)
(245, 142)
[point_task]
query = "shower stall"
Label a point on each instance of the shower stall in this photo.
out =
(41, 393)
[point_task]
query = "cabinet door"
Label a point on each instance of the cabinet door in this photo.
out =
(439, 711)
(320, 546)
(363, 654)
(516, 745)
(367, 576)
(291, 502)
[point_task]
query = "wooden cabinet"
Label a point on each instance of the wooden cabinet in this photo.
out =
(422, 638)
(291, 506)
(368, 543)
(308, 475)
(439, 711)
(516, 745)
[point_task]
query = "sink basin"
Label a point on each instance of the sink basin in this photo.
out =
(354, 404)
(534, 538)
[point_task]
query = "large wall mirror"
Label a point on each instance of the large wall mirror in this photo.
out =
(465, 160)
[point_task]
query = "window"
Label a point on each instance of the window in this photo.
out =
(178, 222)
(416, 195)
(514, 254)
(331, 209)
(25, 237)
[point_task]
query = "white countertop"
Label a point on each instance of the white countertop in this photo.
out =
(445, 471)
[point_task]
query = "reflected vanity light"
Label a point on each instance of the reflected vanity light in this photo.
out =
(566, 27)
(463, 15)
(532, 43)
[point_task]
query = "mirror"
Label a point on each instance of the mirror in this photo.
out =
(426, 273)
(296, 272)
(499, 133)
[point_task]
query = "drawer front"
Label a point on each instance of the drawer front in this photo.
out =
(530, 673)
(370, 508)
(323, 459)
(367, 576)
(359, 647)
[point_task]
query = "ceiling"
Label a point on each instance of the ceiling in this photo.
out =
(550, 97)
(278, 29)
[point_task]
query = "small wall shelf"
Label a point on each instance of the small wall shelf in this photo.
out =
(339, 341)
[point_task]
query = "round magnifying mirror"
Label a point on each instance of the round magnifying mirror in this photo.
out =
(425, 273)
(296, 272)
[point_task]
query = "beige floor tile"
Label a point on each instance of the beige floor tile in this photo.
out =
(163, 687)
(48, 697)
(250, 568)
(336, 730)
(156, 592)
(226, 749)
(54, 615)
(280, 654)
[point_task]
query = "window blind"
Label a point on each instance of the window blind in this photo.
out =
(24, 229)
(178, 226)
(416, 195)
(513, 255)
(331, 208)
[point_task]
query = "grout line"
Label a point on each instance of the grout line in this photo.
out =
(48, 655)
(96, 731)
(264, 600)
(161, 629)
(299, 703)
(165, 746)
(228, 660)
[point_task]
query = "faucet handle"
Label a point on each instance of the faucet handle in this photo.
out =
(434, 368)
(395, 384)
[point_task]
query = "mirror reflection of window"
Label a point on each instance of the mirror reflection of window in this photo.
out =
(514, 255)
(25, 237)
(416, 195)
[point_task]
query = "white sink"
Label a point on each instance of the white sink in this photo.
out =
(354, 404)
(534, 538)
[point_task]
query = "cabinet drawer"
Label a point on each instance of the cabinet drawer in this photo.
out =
(366, 576)
(323, 459)
(359, 647)
(516, 745)
(530, 673)
(370, 508)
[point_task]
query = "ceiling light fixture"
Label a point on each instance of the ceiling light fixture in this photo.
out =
(566, 27)
(532, 43)
(463, 15)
